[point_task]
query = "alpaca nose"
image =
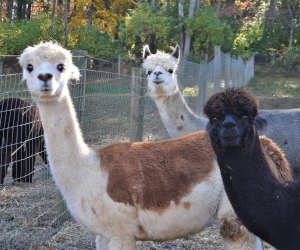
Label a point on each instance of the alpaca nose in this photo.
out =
(157, 73)
(45, 77)
(229, 122)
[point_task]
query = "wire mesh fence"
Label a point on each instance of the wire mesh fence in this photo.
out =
(112, 106)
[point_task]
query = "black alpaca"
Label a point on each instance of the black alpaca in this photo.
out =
(21, 137)
(266, 207)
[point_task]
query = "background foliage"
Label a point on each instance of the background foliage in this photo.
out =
(268, 28)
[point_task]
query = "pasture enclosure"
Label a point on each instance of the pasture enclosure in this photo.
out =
(112, 106)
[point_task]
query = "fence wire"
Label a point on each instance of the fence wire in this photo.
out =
(112, 106)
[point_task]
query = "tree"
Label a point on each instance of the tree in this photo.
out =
(188, 39)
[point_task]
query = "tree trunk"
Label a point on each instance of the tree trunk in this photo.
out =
(66, 22)
(181, 17)
(219, 5)
(53, 15)
(292, 24)
(10, 6)
(272, 11)
(188, 39)
(90, 14)
(197, 6)
(28, 11)
(270, 18)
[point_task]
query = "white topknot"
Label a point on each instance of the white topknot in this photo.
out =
(51, 52)
(160, 58)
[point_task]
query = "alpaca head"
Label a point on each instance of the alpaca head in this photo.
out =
(161, 69)
(232, 119)
(47, 67)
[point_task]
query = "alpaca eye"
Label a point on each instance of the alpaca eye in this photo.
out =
(149, 72)
(30, 68)
(170, 71)
(60, 67)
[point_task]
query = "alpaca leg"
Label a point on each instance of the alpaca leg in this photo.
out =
(3, 172)
(102, 242)
(234, 233)
(236, 236)
(122, 244)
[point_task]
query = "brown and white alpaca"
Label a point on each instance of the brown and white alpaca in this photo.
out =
(179, 119)
(127, 191)
(268, 208)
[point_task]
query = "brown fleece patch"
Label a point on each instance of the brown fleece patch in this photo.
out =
(232, 229)
(152, 174)
(160, 94)
(187, 205)
(278, 164)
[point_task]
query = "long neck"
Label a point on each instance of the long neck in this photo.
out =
(177, 117)
(259, 200)
(64, 142)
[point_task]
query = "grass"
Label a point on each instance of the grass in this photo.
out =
(275, 86)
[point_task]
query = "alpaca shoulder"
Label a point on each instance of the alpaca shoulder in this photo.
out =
(277, 161)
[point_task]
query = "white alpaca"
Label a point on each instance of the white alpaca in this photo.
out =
(179, 119)
(127, 191)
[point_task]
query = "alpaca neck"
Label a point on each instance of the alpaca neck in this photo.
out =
(177, 117)
(257, 197)
(64, 142)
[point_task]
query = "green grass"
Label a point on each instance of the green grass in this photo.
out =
(106, 89)
(275, 86)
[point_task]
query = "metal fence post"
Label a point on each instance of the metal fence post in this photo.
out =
(137, 105)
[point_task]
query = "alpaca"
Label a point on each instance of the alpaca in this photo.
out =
(267, 207)
(179, 120)
(21, 136)
(127, 191)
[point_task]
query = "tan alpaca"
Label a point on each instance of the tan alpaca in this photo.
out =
(179, 120)
(128, 191)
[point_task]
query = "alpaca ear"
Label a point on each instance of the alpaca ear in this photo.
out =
(146, 51)
(260, 123)
(176, 52)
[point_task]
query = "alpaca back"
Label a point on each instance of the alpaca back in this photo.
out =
(283, 128)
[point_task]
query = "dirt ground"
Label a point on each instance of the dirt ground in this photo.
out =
(28, 212)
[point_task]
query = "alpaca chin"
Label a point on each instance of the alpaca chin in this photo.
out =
(231, 142)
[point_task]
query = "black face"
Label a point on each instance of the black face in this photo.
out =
(230, 129)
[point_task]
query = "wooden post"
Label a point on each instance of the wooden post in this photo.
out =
(241, 72)
(137, 105)
(203, 75)
(78, 89)
(1, 65)
(119, 66)
(217, 69)
(227, 69)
